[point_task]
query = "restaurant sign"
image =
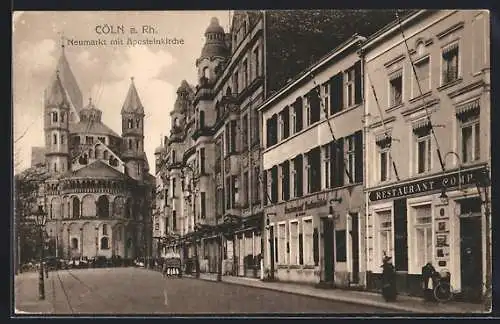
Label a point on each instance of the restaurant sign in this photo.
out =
(451, 180)
(316, 201)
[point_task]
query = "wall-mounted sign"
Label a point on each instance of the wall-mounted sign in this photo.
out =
(316, 201)
(451, 180)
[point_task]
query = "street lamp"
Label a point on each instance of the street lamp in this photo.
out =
(40, 221)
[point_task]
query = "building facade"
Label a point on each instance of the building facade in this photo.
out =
(313, 162)
(98, 195)
(428, 154)
(237, 71)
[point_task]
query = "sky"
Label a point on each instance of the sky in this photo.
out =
(103, 72)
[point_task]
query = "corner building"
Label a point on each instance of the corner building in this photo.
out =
(313, 164)
(98, 195)
(428, 149)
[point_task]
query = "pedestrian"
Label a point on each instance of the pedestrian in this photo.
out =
(389, 291)
(164, 270)
(428, 281)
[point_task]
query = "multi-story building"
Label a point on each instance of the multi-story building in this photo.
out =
(427, 122)
(237, 71)
(313, 162)
(98, 196)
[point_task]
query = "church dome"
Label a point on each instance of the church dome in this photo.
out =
(214, 27)
(215, 44)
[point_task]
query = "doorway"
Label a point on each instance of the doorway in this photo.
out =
(355, 248)
(329, 264)
(471, 261)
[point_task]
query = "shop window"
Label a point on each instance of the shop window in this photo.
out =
(385, 238)
(340, 246)
(307, 232)
(282, 243)
(294, 242)
(423, 236)
(396, 88)
(450, 63)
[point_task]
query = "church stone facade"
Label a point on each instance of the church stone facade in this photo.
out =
(98, 196)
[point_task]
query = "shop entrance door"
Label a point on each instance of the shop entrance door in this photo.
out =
(328, 249)
(471, 263)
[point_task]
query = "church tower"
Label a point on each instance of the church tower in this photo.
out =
(133, 134)
(56, 127)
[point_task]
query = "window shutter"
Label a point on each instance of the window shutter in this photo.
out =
(336, 93)
(299, 170)
(333, 153)
(358, 153)
(357, 82)
(298, 114)
(339, 162)
(264, 187)
(313, 97)
(286, 122)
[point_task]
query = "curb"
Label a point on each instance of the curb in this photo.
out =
(377, 304)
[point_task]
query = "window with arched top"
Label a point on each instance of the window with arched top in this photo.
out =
(206, 72)
(105, 155)
(76, 207)
(420, 48)
(103, 207)
(54, 139)
(54, 117)
(130, 123)
(104, 243)
(74, 243)
(138, 123)
(104, 229)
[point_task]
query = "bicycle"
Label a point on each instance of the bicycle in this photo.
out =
(443, 291)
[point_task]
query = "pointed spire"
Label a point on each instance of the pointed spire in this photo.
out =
(63, 71)
(55, 94)
(132, 101)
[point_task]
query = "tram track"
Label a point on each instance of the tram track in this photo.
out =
(71, 301)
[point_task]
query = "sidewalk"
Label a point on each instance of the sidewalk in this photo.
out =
(403, 303)
(26, 295)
